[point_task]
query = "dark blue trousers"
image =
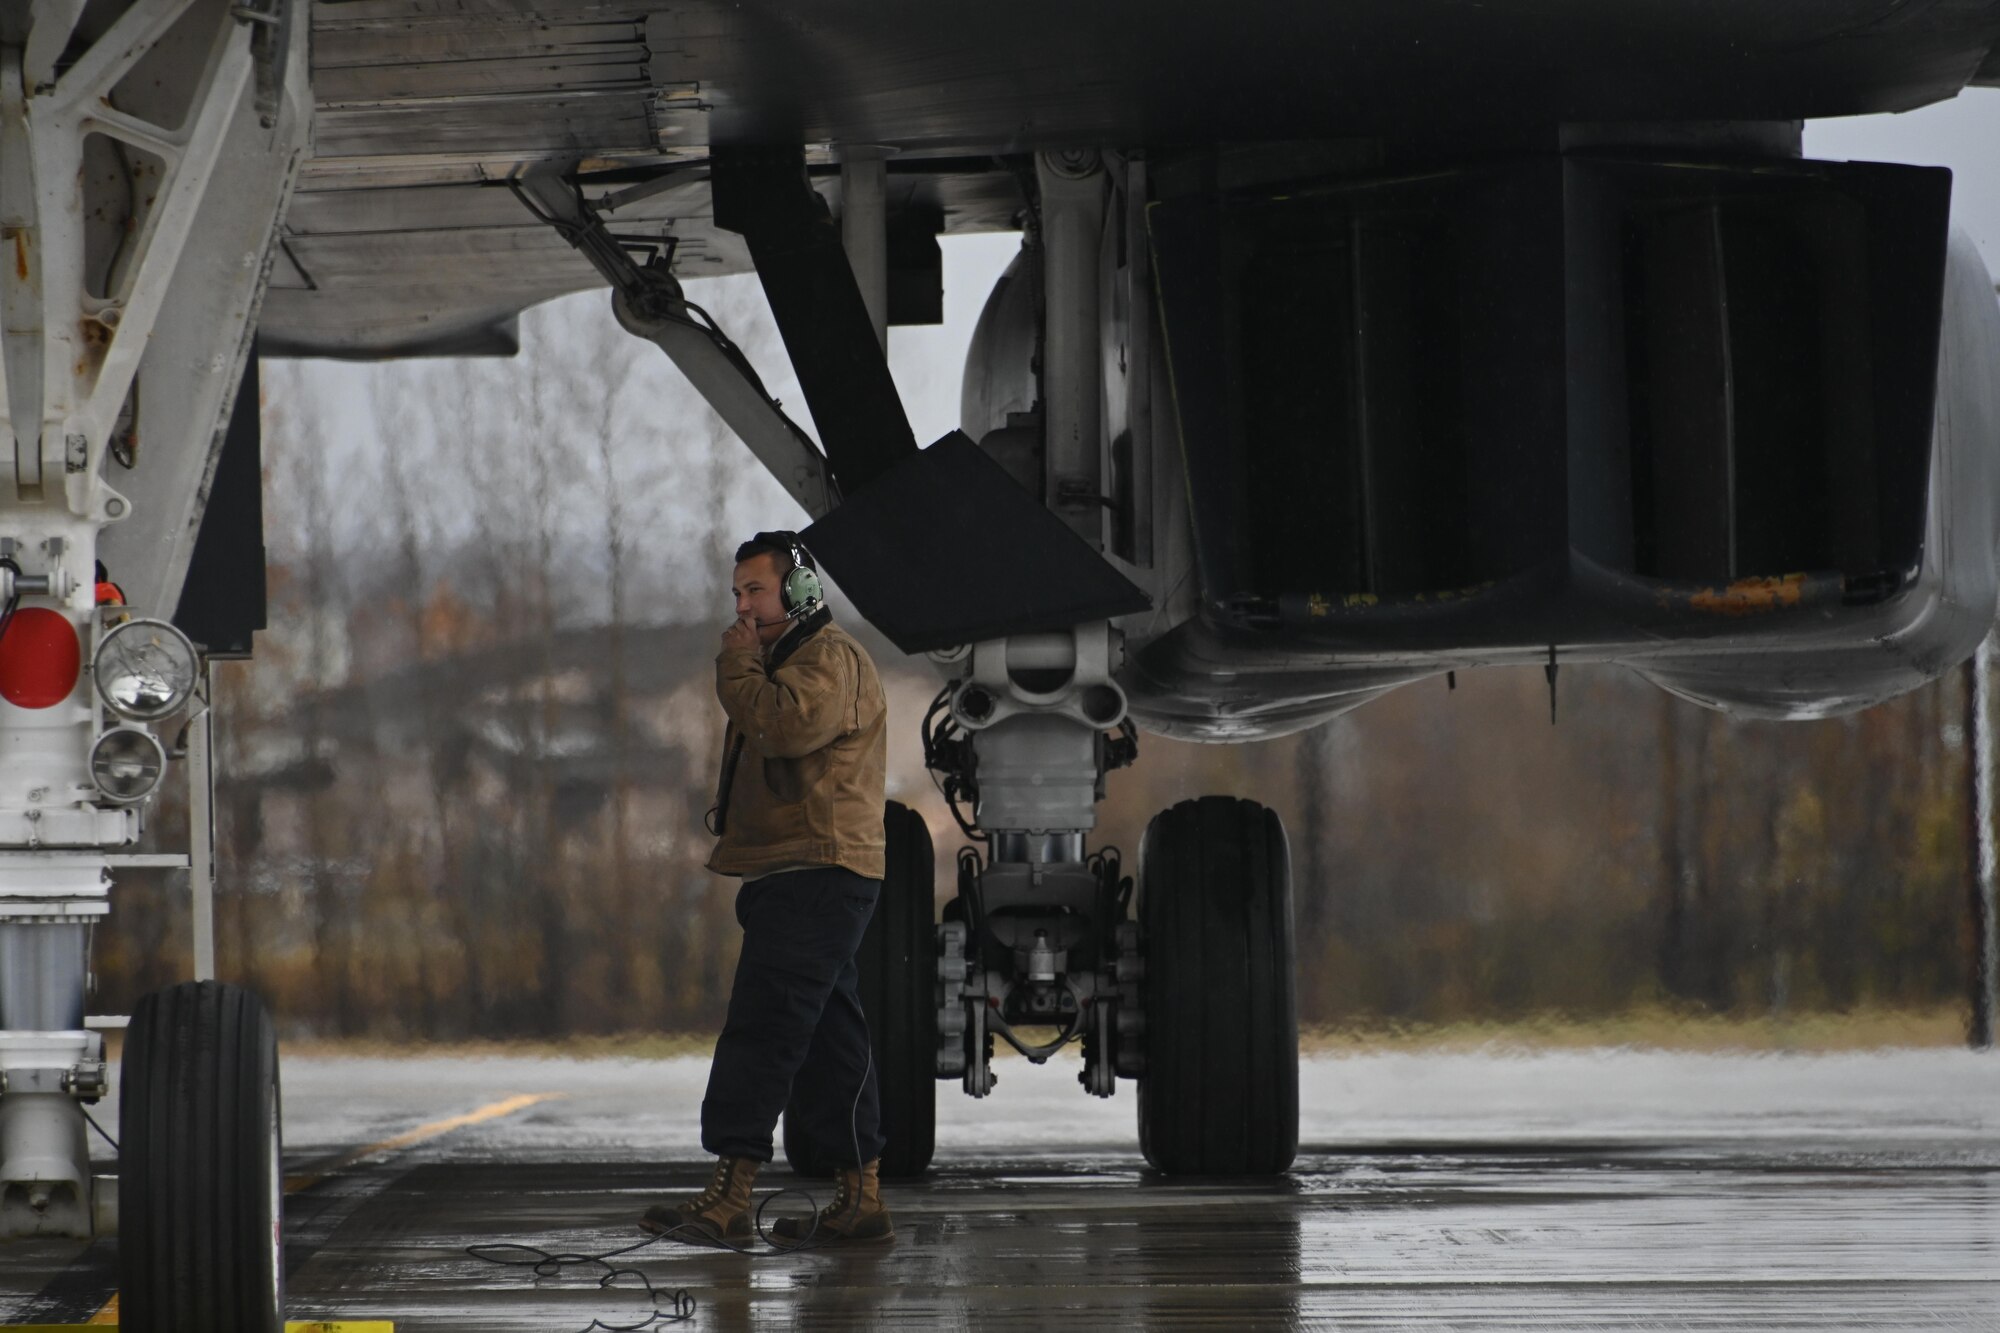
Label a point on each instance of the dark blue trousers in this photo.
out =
(795, 1022)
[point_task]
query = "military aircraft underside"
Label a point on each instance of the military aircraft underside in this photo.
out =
(1347, 346)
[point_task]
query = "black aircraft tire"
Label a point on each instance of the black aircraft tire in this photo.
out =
(898, 966)
(199, 1174)
(1220, 1092)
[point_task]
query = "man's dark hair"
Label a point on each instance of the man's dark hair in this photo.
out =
(772, 543)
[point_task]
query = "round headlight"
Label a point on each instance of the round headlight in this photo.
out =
(127, 764)
(145, 669)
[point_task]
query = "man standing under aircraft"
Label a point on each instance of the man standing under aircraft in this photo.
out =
(798, 816)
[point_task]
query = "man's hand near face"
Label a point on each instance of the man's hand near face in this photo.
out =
(742, 634)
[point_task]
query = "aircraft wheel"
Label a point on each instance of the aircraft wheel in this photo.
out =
(200, 1184)
(898, 966)
(1220, 1091)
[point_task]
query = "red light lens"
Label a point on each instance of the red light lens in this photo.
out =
(40, 659)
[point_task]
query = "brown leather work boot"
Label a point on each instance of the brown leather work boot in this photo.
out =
(855, 1216)
(720, 1213)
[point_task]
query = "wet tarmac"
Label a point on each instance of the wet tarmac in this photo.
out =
(1553, 1191)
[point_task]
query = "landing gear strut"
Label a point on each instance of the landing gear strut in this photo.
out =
(1194, 999)
(1033, 937)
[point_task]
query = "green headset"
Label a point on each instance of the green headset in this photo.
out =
(800, 593)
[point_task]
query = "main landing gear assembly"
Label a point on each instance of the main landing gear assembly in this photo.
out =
(146, 151)
(1191, 997)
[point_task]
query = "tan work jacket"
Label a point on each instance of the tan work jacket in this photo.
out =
(806, 789)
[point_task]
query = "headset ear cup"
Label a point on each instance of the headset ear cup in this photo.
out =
(801, 587)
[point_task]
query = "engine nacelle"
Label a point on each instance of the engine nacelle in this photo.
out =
(1730, 422)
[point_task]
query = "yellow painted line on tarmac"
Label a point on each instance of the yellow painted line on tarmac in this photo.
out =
(506, 1107)
(107, 1317)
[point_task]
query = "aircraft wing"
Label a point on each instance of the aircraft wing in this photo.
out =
(403, 239)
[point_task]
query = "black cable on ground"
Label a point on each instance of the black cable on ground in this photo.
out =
(681, 1304)
(549, 1264)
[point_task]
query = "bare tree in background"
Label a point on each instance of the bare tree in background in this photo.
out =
(538, 442)
(706, 969)
(1312, 868)
(601, 379)
(1673, 964)
(323, 592)
(399, 412)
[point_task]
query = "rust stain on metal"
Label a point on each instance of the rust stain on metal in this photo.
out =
(20, 252)
(1747, 597)
(95, 342)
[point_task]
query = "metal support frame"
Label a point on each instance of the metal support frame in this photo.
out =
(1074, 188)
(864, 231)
(201, 826)
(70, 356)
(764, 195)
(649, 304)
